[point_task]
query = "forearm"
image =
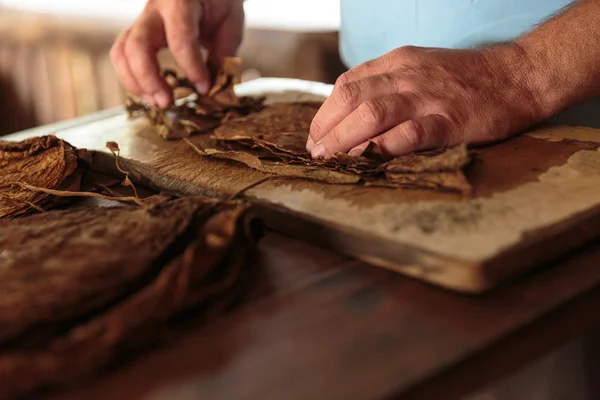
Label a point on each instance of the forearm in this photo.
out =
(564, 57)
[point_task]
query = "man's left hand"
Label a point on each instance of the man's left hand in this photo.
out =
(415, 99)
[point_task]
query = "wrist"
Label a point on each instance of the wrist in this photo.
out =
(520, 81)
(555, 79)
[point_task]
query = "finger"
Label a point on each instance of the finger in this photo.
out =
(229, 35)
(368, 120)
(182, 29)
(346, 98)
(122, 69)
(360, 149)
(143, 42)
(385, 63)
(428, 132)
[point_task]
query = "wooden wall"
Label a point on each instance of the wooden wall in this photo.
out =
(54, 69)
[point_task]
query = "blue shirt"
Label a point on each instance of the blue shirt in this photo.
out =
(371, 28)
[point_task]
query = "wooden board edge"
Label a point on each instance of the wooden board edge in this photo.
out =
(456, 275)
(531, 254)
(452, 274)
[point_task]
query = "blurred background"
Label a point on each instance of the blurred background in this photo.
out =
(54, 61)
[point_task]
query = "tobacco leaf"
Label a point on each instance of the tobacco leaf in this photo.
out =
(197, 113)
(438, 181)
(76, 261)
(282, 126)
(280, 132)
(45, 162)
(228, 74)
(203, 275)
(448, 160)
(274, 140)
(280, 168)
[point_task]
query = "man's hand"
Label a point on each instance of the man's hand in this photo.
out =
(183, 26)
(418, 98)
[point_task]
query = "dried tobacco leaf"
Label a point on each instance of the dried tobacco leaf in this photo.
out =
(279, 132)
(279, 168)
(44, 162)
(281, 126)
(274, 141)
(439, 160)
(228, 75)
(438, 181)
(79, 260)
(199, 271)
(195, 112)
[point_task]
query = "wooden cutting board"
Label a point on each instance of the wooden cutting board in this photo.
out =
(536, 197)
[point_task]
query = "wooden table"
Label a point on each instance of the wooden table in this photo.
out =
(320, 326)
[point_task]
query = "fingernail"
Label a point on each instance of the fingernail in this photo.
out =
(358, 150)
(162, 99)
(202, 87)
(310, 144)
(318, 151)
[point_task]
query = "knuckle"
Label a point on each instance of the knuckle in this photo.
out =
(391, 80)
(334, 141)
(115, 53)
(405, 51)
(181, 45)
(182, 38)
(412, 131)
(343, 79)
(117, 49)
(134, 44)
(384, 145)
(372, 112)
(371, 64)
(347, 93)
(315, 126)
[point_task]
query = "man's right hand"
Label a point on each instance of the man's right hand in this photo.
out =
(183, 26)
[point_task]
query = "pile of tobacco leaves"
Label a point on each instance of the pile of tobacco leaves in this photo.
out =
(195, 112)
(85, 288)
(47, 162)
(272, 138)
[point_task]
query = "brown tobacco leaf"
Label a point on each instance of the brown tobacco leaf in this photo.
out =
(279, 132)
(196, 112)
(284, 126)
(45, 162)
(77, 261)
(274, 140)
(280, 168)
(228, 75)
(448, 160)
(439, 170)
(203, 275)
(438, 181)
